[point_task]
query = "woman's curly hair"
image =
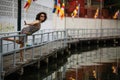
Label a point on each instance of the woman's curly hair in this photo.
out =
(39, 14)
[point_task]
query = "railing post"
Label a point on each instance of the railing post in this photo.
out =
(48, 37)
(24, 55)
(52, 36)
(107, 32)
(41, 38)
(33, 40)
(91, 33)
(78, 33)
(57, 35)
(61, 40)
(65, 37)
(14, 55)
(40, 47)
(61, 35)
(1, 61)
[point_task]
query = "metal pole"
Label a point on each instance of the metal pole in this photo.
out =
(19, 15)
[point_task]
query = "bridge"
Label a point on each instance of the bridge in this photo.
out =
(47, 43)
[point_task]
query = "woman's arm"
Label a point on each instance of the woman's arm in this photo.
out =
(32, 23)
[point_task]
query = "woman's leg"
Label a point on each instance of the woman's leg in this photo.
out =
(21, 42)
(21, 46)
(21, 52)
(13, 40)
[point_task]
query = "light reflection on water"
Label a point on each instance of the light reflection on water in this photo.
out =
(86, 63)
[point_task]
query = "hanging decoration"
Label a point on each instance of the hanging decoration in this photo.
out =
(62, 11)
(27, 4)
(56, 6)
(58, 9)
(116, 14)
(75, 12)
(96, 14)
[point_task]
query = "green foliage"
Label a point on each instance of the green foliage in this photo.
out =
(6, 27)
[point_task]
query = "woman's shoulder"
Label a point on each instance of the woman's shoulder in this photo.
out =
(36, 21)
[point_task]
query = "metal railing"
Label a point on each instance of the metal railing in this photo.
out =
(35, 40)
(45, 37)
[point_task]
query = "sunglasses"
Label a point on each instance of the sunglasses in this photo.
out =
(42, 16)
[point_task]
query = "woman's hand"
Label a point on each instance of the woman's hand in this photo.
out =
(25, 23)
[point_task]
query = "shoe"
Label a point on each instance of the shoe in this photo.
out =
(28, 45)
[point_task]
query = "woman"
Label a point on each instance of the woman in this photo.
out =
(31, 28)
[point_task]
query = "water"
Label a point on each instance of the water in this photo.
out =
(82, 63)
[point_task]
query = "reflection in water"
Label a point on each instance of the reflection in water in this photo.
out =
(98, 64)
(86, 63)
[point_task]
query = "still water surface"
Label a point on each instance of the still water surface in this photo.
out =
(83, 63)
